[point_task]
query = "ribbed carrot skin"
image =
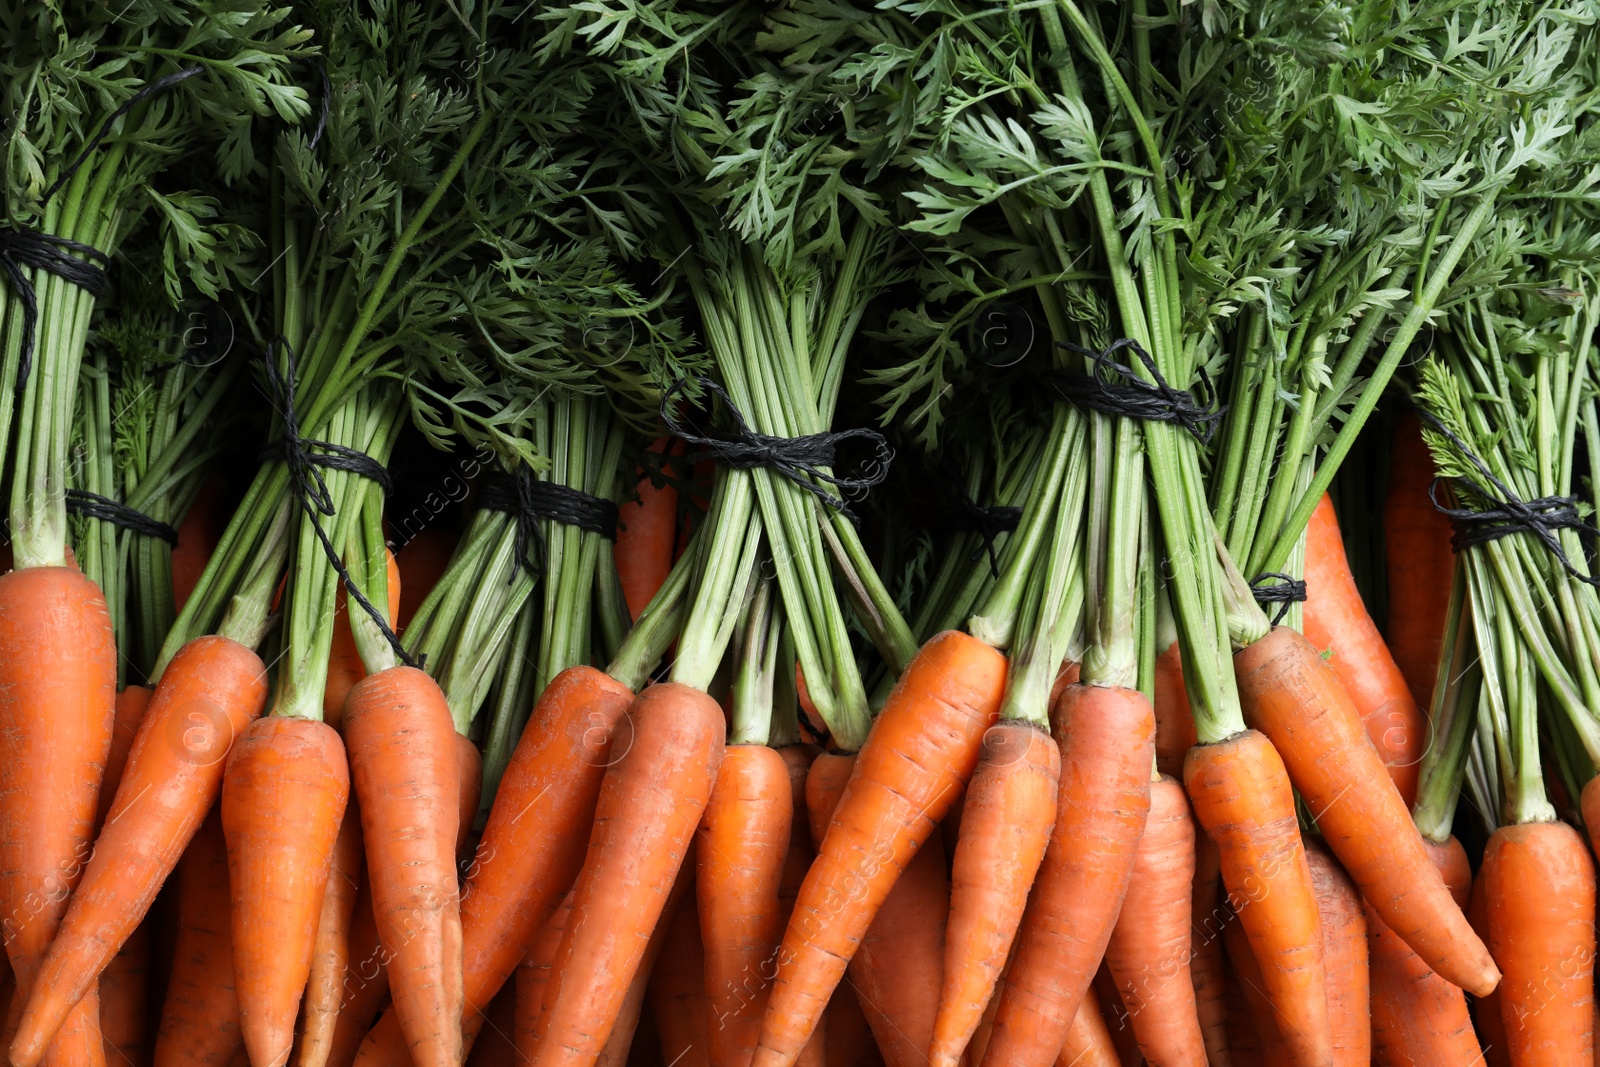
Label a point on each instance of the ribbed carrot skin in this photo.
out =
(1107, 740)
(646, 531)
(1344, 958)
(533, 975)
(1420, 561)
(619, 1045)
(330, 958)
(1149, 950)
(1009, 812)
(1175, 732)
(1290, 695)
(651, 801)
(1336, 621)
(740, 851)
(58, 689)
(1088, 1042)
(1486, 1013)
(1208, 966)
(1539, 883)
(1418, 1018)
(124, 1002)
(366, 982)
(283, 797)
(1241, 795)
(405, 771)
(210, 693)
(200, 1017)
(798, 760)
(131, 705)
(917, 759)
(677, 993)
(1255, 1028)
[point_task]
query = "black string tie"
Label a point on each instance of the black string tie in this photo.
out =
(309, 487)
(1507, 513)
(1276, 587)
(1114, 388)
(529, 500)
(962, 515)
(94, 506)
(72, 261)
(800, 459)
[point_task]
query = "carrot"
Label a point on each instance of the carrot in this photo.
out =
(366, 982)
(494, 1047)
(646, 529)
(422, 561)
(330, 956)
(1419, 558)
(1175, 732)
(798, 760)
(1010, 808)
(677, 993)
(1208, 966)
(1418, 1018)
(403, 766)
(1107, 739)
(533, 975)
(1290, 695)
(200, 1017)
(1258, 1027)
(469, 774)
(1344, 958)
(123, 990)
(921, 751)
(1088, 1041)
(283, 796)
(1241, 795)
(620, 1043)
(345, 668)
(1539, 884)
(1114, 1017)
(849, 1038)
(210, 693)
(58, 669)
(1149, 950)
(198, 535)
(906, 938)
(1486, 1011)
(1336, 621)
(651, 800)
(131, 705)
(740, 851)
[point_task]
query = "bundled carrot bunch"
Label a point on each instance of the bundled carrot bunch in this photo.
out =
(692, 533)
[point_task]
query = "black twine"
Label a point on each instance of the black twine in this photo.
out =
(1195, 410)
(528, 500)
(94, 506)
(309, 487)
(799, 459)
(75, 263)
(964, 516)
(1507, 514)
(1276, 587)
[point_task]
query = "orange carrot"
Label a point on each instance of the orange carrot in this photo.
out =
(1256, 1031)
(849, 1038)
(651, 800)
(1107, 739)
(1419, 1019)
(1114, 1017)
(1290, 695)
(1539, 883)
(906, 938)
(198, 535)
(1486, 1013)
(620, 1043)
(404, 769)
(921, 751)
(58, 690)
(283, 797)
(1420, 561)
(1344, 958)
(1175, 732)
(1149, 950)
(1010, 808)
(330, 957)
(422, 562)
(740, 850)
(366, 982)
(1208, 966)
(1088, 1042)
(1336, 621)
(211, 691)
(1241, 795)
(533, 975)
(678, 993)
(345, 668)
(494, 1047)
(646, 529)
(200, 1018)
(798, 760)
(131, 705)
(123, 1001)
(469, 773)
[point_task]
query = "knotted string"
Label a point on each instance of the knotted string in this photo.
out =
(94, 506)
(528, 500)
(72, 261)
(799, 459)
(1276, 587)
(309, 487)
(1507, 513)
(961, 514)
(1133, 397)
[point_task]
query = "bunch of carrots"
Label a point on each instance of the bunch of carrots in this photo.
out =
(842, 533)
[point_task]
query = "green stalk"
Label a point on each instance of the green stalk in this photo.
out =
(1453, 719)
